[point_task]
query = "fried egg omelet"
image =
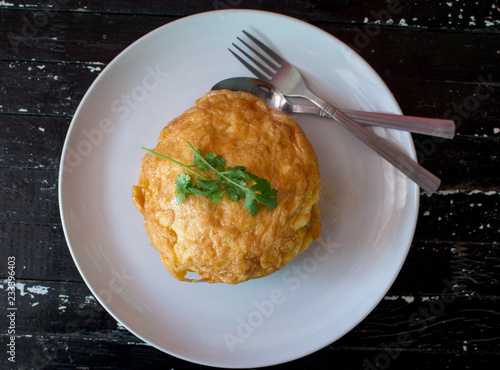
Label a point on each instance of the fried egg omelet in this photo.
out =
(222, 242)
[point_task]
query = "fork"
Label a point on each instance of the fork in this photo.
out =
(267, 65)
(275, 99)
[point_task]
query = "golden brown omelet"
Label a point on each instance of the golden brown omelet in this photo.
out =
(222, 242)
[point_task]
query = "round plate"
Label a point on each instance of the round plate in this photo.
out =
(368, 209)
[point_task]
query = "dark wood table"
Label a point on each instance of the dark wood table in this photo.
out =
(439, 58)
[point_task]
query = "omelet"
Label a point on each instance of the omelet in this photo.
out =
(202, 241)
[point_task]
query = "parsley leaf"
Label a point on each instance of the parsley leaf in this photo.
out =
(232, 180)
(212, 190)
(214, 160)
(183, 181)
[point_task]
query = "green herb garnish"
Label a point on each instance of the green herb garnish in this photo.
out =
(231, 180)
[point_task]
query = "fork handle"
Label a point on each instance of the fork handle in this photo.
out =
(418, 125)
(425, 179)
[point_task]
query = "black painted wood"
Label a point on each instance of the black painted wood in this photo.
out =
(439, 58)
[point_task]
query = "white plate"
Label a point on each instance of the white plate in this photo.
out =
(369, 210)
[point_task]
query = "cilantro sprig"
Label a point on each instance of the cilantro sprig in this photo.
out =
(233, 181)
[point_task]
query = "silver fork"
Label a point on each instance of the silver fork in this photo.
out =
(269, 66)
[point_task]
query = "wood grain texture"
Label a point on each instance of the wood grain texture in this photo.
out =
(468, 15)
(439, 58)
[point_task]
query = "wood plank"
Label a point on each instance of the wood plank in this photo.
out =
(48, 352)
(420, 54)
(459, 216)
(464, 163)
(40, 250)
(81, 352)
(458, 102)
(406, 54)
(72, 37)
(442, 322)
(40, 88)
(437, 14)
(29, 196)
(68, 308)
(467, 265)
(29, 141)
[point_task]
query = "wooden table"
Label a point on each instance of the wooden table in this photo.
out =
(439, 58)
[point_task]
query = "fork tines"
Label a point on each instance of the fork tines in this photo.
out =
(264, 72)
